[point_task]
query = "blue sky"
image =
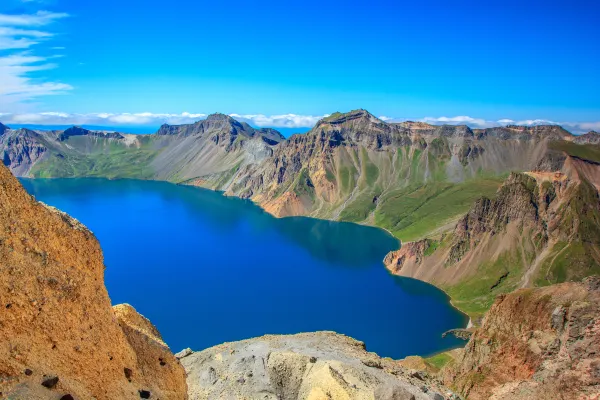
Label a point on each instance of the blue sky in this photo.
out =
(468, 61)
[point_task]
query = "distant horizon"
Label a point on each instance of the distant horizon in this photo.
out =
(302, 124)
(288, 64)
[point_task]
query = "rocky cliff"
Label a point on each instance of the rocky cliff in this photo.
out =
(410, 178)
(413, 179)
(59, 336)
(541, 343)
(542, 227)
(309, 366)
(356, 167)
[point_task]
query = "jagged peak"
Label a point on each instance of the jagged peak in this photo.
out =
(592, 137)
(340, 118)
(222, 124)
(219, 117)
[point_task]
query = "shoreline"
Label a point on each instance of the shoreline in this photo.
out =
(400, 243)
(450, 300)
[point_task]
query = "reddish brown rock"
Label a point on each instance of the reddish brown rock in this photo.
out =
(57, 320)
(541, 343)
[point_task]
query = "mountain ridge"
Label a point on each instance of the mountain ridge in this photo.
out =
(413, 179)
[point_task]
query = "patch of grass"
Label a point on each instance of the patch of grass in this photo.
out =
(590, 152)
(580, 222)
(475, 295)
(438, 361)
(303, 185)
(360, 208)
(568, 261)
(333, 116)
(414, 165)
(347, 178)
(329, 175)
(413, 212)
(433, 246)
(370, 172)
(117, 164)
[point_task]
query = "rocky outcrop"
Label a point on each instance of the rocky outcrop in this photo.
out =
(79, 131)
(591, 137)
(351, 166)
(541, 228)
(352, 158)
(541, 343)
(310, 366)
(59, 336)
(22, 150)
(410, 253)
(516, 201)
(222, 129)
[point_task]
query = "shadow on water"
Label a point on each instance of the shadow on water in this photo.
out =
(208, 269)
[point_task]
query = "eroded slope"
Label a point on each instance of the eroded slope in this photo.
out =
(58, 332)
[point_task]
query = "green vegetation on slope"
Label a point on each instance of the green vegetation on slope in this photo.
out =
(475, 295)
(117, 164)
(412, 212)
(302, 185)
(580, 221)
(438, 361)
(588, 152)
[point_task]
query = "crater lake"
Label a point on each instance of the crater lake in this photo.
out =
(208, 269)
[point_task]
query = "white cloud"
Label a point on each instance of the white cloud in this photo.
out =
(458, 120)
(18, 64)
(534, 122)
(506, 121)
(279, 121)
(108, 119)
(40, 18)
(256, 120)
(16, 38)
(17, 85)
(590, 126)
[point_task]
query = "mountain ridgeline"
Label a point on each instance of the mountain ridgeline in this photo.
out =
(481, 211)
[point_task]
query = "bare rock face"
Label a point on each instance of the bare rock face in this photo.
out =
(588, 138)
(515, 201)
(21, 150)
(541, 228)
(409, 253)
(59, 336)
(311, 366)
(152, 353)
(541, 343)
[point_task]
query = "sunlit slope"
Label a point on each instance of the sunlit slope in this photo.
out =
(410, 178)
(541, 228)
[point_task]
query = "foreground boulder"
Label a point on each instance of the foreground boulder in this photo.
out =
(541, 343)
(312, 366)
(59, 335)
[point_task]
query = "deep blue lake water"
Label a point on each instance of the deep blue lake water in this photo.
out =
(207, 269)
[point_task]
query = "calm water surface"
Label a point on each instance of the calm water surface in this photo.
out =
(208, 269)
